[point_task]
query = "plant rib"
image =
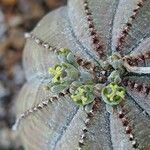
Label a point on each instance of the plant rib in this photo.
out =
(89, 117)
(38, 107)
(128, 26)
(97, 44)
(139, 87)
(88, 65)
(135, 60)
(122, 115)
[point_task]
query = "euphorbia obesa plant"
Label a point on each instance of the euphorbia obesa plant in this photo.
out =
(88, 78)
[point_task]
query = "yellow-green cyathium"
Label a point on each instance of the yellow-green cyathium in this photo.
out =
(83, 95)
(64, 73)
(56, 72)
(63, 51)
(113, 94)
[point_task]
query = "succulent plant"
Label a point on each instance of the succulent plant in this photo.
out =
(104, 68)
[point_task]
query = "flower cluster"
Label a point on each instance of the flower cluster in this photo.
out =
(67, 76)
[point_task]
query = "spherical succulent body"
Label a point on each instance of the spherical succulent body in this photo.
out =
(88, 78)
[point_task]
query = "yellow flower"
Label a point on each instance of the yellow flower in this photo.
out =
(113, 94)
(56, 72)
(63, 51)
(83, 95)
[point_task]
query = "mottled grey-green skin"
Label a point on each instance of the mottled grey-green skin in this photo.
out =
(59, 126)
